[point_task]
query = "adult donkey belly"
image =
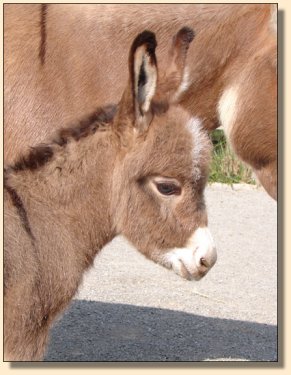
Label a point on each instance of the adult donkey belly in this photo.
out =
(248, 113)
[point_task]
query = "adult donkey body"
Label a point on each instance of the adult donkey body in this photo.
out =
(58, 67)
(138, 169)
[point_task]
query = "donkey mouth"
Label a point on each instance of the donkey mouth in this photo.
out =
(181, 269)
(184, 272)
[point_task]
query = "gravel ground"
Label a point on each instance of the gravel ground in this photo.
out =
(130, 309)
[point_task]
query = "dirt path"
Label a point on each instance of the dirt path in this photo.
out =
(130, 309)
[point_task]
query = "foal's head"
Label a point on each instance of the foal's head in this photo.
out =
(162, 167)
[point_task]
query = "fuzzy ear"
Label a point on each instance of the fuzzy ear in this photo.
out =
(143, 69)
(143, 77)
(175, 79)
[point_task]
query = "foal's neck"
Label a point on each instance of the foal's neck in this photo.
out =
(68, 182)
(68, 152)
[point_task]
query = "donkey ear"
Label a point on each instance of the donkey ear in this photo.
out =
(143, 77)
(175, 79)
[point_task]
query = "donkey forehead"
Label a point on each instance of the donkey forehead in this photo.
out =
(175, 145)
(183, 134)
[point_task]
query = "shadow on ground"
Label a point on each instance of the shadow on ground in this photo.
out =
(95, 331)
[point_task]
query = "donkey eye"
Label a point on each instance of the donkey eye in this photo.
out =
(166, 188)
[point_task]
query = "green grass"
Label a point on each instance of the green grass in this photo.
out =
(226, 167)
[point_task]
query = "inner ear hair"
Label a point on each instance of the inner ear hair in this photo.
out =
(143, 77)
(134, 109)
(145, 80)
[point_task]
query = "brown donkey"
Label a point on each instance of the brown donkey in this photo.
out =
(58, 67)
(138, 169)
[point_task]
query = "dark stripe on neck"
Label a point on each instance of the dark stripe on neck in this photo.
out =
(37, 157)
(17, 202)
(43, 33)
(43, 153)
(88, 126)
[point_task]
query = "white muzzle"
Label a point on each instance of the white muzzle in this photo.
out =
(194, 260)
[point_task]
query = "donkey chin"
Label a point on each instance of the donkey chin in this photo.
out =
(193, 261)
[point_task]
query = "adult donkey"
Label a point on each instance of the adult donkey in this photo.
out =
(58, 67)
(138, 169)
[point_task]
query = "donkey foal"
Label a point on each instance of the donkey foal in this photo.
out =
(138, 169)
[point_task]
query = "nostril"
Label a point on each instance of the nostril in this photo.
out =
(203, 262)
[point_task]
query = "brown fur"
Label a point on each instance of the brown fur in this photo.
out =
(66, 200)
(80, 72)
(260, 155)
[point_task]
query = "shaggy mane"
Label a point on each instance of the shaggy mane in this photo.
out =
(41, 154)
